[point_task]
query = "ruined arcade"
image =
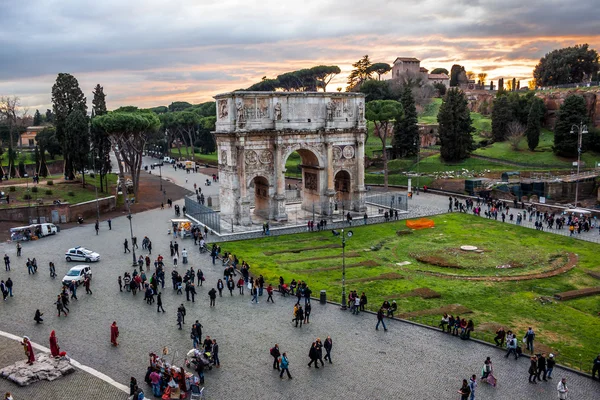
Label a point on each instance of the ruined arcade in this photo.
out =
(257, 131)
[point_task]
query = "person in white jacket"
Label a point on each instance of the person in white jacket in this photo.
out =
(562, 389)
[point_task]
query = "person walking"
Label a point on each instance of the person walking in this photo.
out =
(533, 370)
(52, 269)
(19, 248)
(562, 389)
(240, 285)
(299, 316)
(7, 262)
(254, 292)
(275, 354)
(114, 334)
(215, 353)
(212, 294)
(328, 346)
(319, 347)
(179, 319)
(307, 311)
(54, 348)
(380, 317)
(270, 293)
(184, 256)
(550, 365)
(284, 363)
(220, 287)
(230, 286)
(312, 354)
(9, 287)
(159, 305)
(97, 227)
(464, 391)
(473, 386)
(542, 367)
(500, 335)
(126, 247)
(86, 284)
(200, 276)
(181, 309)
(60, 306)
(529, 337)
(595, 367)
(109, 224)
(120, 282)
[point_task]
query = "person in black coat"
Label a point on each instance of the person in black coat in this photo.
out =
(275, 354)
(541, 364)
(299, 316)
(328, 346)
(212, 293)
(319, 347)
(230, 286)
(312, 354)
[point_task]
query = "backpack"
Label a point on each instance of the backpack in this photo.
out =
(272, 351)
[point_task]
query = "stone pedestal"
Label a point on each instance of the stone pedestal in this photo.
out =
(45, 367)
(279, 205)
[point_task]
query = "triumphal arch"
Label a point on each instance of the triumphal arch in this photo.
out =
(257, 131)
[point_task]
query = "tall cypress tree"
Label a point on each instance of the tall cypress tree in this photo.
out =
(572, 112)
(501, 117)
(406, 132)
(456, 127)
(66, 97)
(100, 140)
(533, 124)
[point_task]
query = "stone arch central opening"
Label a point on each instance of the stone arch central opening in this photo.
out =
(304, 165)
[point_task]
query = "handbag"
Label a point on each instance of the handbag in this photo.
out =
(249, 286)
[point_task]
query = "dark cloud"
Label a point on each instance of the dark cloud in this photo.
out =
(231, 44)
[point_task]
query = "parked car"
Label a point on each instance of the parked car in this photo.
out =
(77, 274)
(81, 254)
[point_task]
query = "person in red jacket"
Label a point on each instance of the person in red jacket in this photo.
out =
(114, 333)
(54, 348)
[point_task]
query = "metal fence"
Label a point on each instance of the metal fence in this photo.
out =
(204, 214)
(393, 200)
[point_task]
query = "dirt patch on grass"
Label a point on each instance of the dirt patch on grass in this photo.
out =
(574, 294)
(435, 260)
(350, 254)
(491, 327)
(328, 246)
(558, 266)
(368, 263)
(450, 309)
(593, 274)
(424, 293)
(389, 275)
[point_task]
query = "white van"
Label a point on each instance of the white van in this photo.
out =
(77, 274)
(47, 229)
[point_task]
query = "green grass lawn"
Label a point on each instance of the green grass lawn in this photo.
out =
(429, 114)
(542, 156)
(569, 328)
(211, 158)
(71, 192)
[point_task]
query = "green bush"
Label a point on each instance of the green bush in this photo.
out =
(48, 192)
(26, 196)
(34, 189)
(12, 188)
(92, 175)
(71, 194)
(50, 183)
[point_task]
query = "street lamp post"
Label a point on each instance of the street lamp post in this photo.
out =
(344, 304)
(418, 142)
(581, 129)
(131, 231)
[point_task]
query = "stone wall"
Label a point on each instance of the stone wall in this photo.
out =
(23, 215)
(552, 99)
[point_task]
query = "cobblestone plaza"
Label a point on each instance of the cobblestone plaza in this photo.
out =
(407, 362)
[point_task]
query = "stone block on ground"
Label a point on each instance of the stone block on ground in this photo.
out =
(45, 367)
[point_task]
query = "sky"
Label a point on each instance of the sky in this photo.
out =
(149, 52)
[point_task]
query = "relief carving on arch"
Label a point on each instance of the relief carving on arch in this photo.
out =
(251, 157)
(224, 157)
(348, 152)
(337, 153)
(265, 157)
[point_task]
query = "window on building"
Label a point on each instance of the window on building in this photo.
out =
(31, 143)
